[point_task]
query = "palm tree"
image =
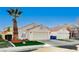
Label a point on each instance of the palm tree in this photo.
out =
(15, 13)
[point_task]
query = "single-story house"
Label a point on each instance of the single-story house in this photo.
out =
(34, 32)
(23, 34)
(31, 32)
(60, 32)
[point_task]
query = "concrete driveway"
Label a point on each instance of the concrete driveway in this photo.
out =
(60, 42)
(69, 44)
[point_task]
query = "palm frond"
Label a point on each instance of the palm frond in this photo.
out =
(16, 11)
(12, 10)
(9, 12)
(20, 13)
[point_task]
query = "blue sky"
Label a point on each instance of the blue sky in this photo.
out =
(49, 16)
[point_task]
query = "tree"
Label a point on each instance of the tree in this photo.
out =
(8, 29)
(15, 13)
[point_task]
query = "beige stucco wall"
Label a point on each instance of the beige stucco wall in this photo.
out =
(39, 33)
(61, 34)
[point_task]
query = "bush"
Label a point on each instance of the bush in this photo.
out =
(0, 36)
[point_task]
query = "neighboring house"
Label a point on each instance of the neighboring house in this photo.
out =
(60, 32)
(74, 31)
(7, 32)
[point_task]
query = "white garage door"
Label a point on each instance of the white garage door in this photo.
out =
(40, 36)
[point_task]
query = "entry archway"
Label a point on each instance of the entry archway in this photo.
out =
(8, 37)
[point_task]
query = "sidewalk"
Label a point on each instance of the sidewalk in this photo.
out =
(53, 49)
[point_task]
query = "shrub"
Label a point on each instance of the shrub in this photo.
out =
(0, 36)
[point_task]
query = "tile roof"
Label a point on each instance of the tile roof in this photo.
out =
(57, 28)
(38, 26)
(32, 24)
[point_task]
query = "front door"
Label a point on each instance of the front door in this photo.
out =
(8, 37)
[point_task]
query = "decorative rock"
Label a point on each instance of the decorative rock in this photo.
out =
(24, 42)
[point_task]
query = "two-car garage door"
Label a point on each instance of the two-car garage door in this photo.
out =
(39, 36)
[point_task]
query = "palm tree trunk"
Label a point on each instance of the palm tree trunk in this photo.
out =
(15, 29)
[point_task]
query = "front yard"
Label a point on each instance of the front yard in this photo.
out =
(4, 44)
(28, 43)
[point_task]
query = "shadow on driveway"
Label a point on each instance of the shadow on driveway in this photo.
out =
(73, 47)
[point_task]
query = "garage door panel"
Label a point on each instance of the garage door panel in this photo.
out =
(40, 36)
